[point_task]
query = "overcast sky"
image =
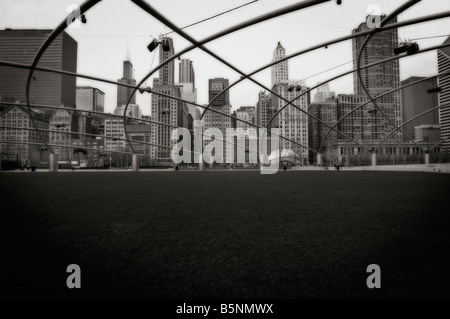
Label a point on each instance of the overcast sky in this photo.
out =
(115, 27)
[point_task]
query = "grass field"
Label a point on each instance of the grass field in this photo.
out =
(225, 234)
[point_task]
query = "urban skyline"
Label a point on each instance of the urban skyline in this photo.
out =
(114, 46)
(210, 185)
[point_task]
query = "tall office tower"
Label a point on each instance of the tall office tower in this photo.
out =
(165, 109)
(54, 89)
(326, 111)
(222, 104)
(187, 86)
(186, 72)
(189, 93)
(166, 50)
(280, 71)
(359, 124)
(91, 99)
(292, 122)
(380, 78)
(443, 56)
(264, 109)
(415, 100)
(123, 93)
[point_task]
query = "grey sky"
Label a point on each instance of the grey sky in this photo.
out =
(115, 25)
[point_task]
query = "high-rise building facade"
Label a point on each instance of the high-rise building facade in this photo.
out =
(114, 131)
(264, 109)
(326, 111)
(443, 56)
(415, 100)
(123, 93)
(167, 72)
(189, 93)
(26, 154)
(186, 72)
(54, 89)
(164, 109)
(249, 114)
(280, 71)
(292, 122)
(380, 78)
(91, 99)
(222, 104)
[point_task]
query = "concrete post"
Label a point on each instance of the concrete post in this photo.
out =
(201, 163)
(374, 159)
(135, 163)
(319, 159)
(53, 162)
(427, 157)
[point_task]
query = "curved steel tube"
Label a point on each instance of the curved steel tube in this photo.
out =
(379, 96)
(83, 8)
(150, 10)
(111, 115)
(410, 120)
(341, 39)
(50, 70)
(402, 8)
(440, 142)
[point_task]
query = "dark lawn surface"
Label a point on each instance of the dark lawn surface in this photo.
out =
(225, 234)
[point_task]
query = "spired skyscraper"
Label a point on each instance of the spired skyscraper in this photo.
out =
(292, 122)
(123, 92)
(280, 71)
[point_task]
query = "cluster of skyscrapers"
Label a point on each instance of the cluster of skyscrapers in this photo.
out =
(307, 124)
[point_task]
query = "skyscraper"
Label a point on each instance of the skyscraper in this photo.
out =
(123, 93)
(292, 122)
(380, 78)
(165, 109)
(263, 109)
(46, 88)
(324, 109)
(222, 104)
(416, 100)
(444, 98)
(91, 99)
(187, 86)
(186, 72)
(166, 50)
(280, 71)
